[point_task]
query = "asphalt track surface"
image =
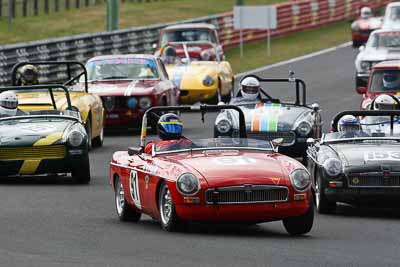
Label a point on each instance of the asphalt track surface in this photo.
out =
(53, 222)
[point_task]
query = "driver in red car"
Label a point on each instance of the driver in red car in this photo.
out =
(169, 129)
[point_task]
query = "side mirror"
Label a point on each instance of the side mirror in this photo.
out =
(310, 141)
(361, 48)
(315, 107)
(361, 90)
(134, 151)
(154, 46)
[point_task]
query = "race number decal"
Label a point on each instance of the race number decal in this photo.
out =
(382, 156)
(38, 129)
(134, 188)
(232, 161)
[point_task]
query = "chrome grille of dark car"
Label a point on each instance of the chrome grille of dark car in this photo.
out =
(373, 180)
(288, 137)
(247, 194)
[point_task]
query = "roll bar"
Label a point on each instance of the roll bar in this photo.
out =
(68, 64)
(202, 108)
(49, 87)
(300, 86)
(391, 113)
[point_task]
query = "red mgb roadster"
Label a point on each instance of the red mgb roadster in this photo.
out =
(229, 179)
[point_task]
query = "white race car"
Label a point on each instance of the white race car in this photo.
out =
(382, 45)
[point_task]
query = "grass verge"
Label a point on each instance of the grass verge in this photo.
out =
(287, 47)
(92, 19)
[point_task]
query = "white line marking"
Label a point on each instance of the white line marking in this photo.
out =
(278, 64)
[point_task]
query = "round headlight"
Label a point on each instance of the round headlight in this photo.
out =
(205, 55)
(333, 167)
(131, 103)
(300, 179)
(224, 126)
(304, 128)
(355, 27)
(188, 184)
(75, 138)
(364, 65)
(208, 81)
(145, 102)
(109, 103)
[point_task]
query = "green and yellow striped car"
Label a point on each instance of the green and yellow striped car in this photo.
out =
(44, 141)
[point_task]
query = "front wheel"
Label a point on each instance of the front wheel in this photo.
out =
(98, 141)
(300, 225)
(323, 205)
(81, 173)
(169, 219)
(124, 211)
(88, 127)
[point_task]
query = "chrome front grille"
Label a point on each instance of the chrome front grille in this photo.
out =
(32, 153)
(373, 180)
(247, 194)
(288, 137)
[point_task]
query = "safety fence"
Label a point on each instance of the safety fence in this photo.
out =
(292, 16)
(25, 8)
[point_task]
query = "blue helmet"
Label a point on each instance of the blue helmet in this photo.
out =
(169, 127)
(349, 123)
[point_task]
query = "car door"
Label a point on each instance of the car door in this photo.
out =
(143, 182)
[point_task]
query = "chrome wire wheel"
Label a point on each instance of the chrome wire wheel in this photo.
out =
(317, 196)
(119, 198)
(166, 206)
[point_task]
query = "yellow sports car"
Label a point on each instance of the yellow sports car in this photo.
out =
(89, 105)
(195, 67)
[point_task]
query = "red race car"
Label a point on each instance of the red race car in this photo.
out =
(363, 26)
(235, 180)
(200, 33)
(384, 79)
(128, 85)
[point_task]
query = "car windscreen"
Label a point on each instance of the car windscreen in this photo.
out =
(385, 81)
(225, 143)
(385, 39)
(392, 17)
(36, 114)
(368, 132)
(122, 68)
(187, 35)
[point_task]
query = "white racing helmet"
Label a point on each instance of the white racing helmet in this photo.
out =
(349, 123)
(250, 88)
(385, 102)
(366, 12)
(8, 103)
(391, 79)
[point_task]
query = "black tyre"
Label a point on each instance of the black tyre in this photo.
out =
(214, 99)
(300, 225)
(98, 141)
(357, 44)
(360, 82)
(169, 219)
(125, 212)
(88, 127)
(322, 204)
(81, 173)
(226, 98)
